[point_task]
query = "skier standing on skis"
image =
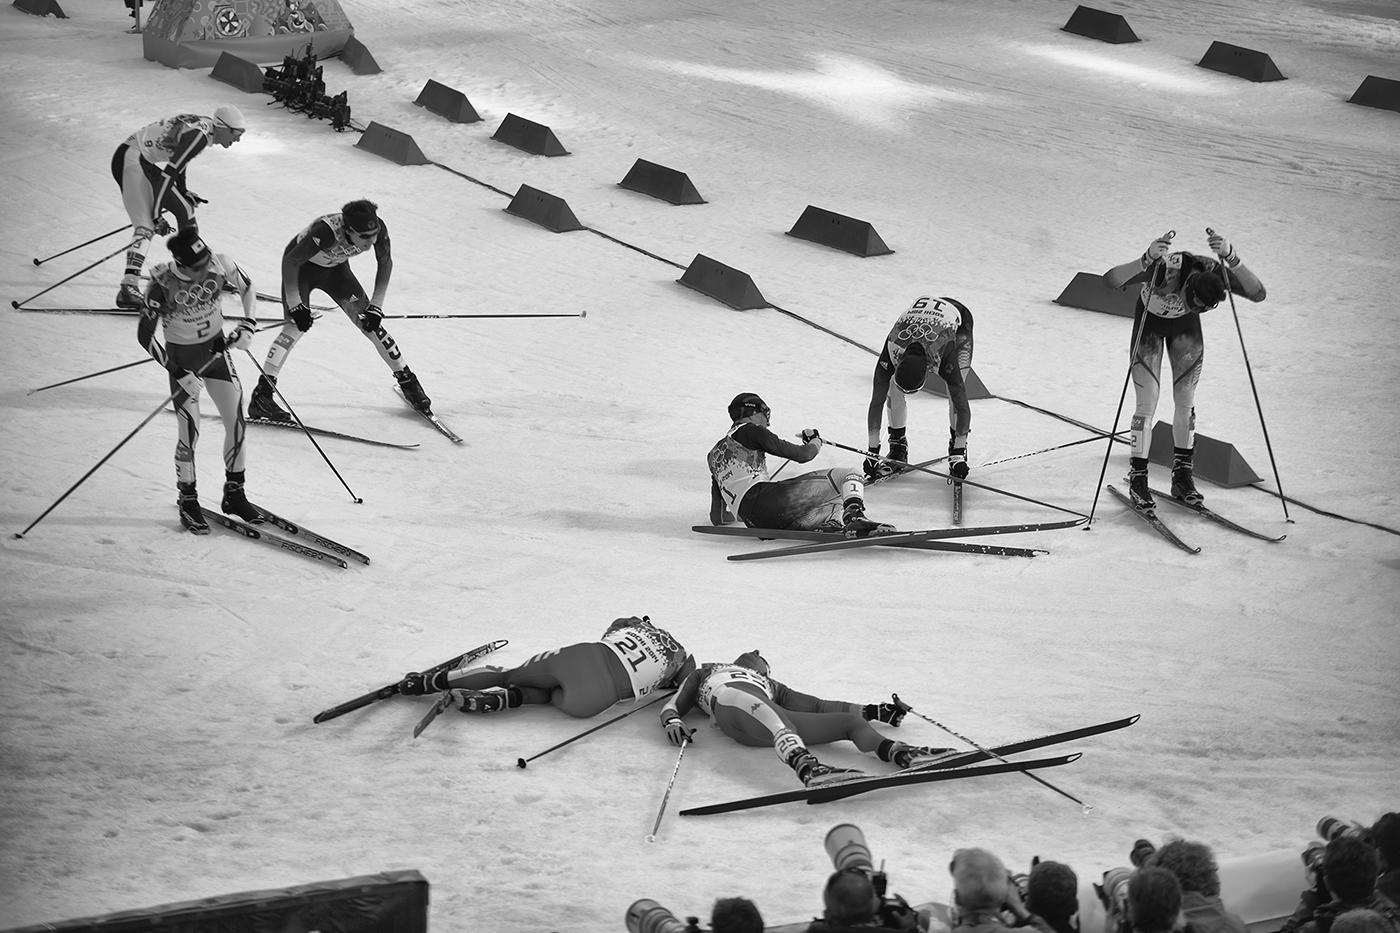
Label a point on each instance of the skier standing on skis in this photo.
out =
(933, 334)
(184, 298)
(822, 500)
(752, 708)
(634, 658)
(318, 258)
(1177, 288)
(148, 189)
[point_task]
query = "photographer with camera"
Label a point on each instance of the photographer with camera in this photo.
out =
(1344, 874)
(752, 708)
(854, 897)
(986, 897)
(1052, 895)
(1196, 871)
(1154, 902)
(1386, 837)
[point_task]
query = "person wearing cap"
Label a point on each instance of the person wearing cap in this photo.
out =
(933, 334)
(185, 298)
(753, 708)
(150, 189)
(318, 258)
(1177, 288)
(740, 486)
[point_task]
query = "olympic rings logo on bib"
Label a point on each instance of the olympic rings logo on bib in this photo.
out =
(196, 295)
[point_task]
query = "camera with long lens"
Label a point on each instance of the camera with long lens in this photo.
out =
(1113, 894)
(1331, 827)
(647, 916)
(846, 845)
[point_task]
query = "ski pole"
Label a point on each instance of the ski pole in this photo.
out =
(523, 762)
(1045, 450)
(966, 482)
(1139, 324)
(991, 754)
(104, 372)
(55, 385)
(16, 304)
(354, 498)
(40, 262)
(1225, 270)
(444, 317)
(665, 798)
(145, 421)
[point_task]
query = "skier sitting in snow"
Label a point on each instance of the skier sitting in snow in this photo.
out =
(319, 258)
(184, 297)
(634, 658)
(1177, 288)
(934, 334)
(754, 709)
(739, 483)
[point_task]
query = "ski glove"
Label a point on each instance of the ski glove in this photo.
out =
(1158, 248)
(874, 467)
(241, 337)
(676, 732)
(370, 318)
(892, 713)
(189, 383)
(810, 434)
(417, 685)
(163, 228)
(301, 317)
(1222, 248)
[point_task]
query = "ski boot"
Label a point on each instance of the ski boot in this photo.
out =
(129, 298)
(919, 756)
(899, 450)
(191, 516)
(413, 391)
(812, 773)
(263, 405)
(1183, 482)
(1138, 492)
(490, 700)
(854, 524)
(236, 503)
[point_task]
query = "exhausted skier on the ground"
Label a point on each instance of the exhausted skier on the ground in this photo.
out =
(632, 659)
(754, 709)
(740, 487)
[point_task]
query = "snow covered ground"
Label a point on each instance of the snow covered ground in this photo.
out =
(158, 689)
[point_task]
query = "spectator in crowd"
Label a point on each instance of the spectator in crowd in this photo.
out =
(1350, 866)
(1195, 869)
(1052, 895)
(1154, 901)
(983, 894)
(1361, 921)
(1386, 836)
(735, 915)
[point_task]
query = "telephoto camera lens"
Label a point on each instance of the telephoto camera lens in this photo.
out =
(845, 843)
(1142, 851)
(1329, 828)
(1114, 890)
(647, 916)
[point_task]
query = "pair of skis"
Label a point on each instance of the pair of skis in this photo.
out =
(930, 539)
(290, 536)
(395, 688)
(949, 768)
(1162, 528)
